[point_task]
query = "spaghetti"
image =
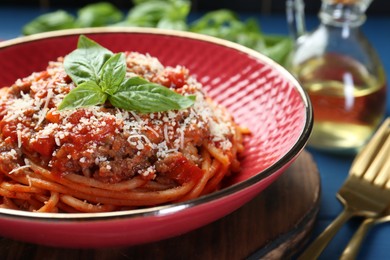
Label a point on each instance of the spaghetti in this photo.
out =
(101, 158)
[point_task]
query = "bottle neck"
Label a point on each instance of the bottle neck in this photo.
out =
(340, 15)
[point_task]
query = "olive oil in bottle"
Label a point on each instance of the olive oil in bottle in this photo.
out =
(343, 76)
(348, 102)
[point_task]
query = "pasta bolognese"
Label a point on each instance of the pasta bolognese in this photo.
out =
(103, 158)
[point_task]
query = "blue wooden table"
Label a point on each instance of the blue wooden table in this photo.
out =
(333, 169)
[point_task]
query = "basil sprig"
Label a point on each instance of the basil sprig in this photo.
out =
(100, 75)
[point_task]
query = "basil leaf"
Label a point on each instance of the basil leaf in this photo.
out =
(113, 73)
(134, 81)
(100, 75)
(98, 14)
(85, 63)
(148, 97)
(57, 20)
(86, 94)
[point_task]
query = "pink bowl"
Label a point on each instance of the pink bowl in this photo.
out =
(258, 92)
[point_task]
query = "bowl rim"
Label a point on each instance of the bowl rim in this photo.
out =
(174, 207)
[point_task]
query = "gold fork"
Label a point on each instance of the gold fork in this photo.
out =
(352, 249)
(366, 191)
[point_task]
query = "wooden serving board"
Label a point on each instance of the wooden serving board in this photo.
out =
(273, 225)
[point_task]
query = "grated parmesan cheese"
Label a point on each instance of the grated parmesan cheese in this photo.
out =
(19, 168)
(156, 134)
(45, 109)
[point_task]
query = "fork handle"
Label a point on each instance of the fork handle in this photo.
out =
(318, 245)
(352, 249)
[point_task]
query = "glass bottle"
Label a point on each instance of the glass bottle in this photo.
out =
(341, 72)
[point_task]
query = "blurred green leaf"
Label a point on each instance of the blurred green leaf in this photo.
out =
(138, 2)
(50, 22)
(214, 19)
(173, 25)
(170, 14)
(278, 48)
(98, 14)
(150, 13)
(227, 25)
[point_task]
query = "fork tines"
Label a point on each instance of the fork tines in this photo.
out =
(373, 162)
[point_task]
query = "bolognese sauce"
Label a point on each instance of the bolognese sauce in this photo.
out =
(107, 145)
